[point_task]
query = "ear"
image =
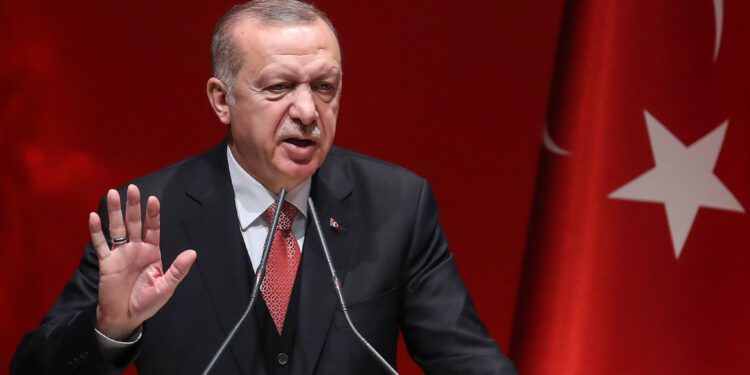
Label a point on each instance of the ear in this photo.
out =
(218, 96)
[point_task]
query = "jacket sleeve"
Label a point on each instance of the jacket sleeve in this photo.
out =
(65, 341)
(440, 325)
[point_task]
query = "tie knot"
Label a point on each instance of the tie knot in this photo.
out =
(288, 212)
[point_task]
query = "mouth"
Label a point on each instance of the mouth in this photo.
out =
(299, 142)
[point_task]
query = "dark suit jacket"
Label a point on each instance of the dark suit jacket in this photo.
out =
(391, 255)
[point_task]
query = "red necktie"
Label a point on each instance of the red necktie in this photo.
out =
(282, 264)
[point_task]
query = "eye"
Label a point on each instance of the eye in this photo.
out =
(324, 87)
(279, 88)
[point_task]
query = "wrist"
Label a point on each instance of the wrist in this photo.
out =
(119, 330)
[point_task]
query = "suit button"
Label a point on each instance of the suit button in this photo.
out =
(282, 359)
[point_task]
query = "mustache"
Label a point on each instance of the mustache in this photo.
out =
(293, 129)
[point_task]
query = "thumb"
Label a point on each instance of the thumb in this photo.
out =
(179, 269)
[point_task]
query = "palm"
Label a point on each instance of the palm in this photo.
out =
(132, 284)
(133, 270)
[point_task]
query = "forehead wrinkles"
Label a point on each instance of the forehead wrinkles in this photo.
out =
(301, 38)
(256, 41)
(301, 67)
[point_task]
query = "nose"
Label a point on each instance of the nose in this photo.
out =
(303, 105)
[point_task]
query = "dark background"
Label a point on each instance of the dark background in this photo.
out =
(94, 94)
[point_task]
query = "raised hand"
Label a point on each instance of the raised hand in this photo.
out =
(132, 283)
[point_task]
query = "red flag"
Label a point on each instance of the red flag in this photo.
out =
(639, 251)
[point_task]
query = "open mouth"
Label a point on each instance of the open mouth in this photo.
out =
(299, 142)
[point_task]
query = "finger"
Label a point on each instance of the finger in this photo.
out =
(178, 270)
(114, 210)
(152, 225)
(133, 214)
(97, 236)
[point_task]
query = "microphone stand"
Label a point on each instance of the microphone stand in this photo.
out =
(337, 288)
(259, 275)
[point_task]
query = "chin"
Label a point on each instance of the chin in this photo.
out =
(296, 172)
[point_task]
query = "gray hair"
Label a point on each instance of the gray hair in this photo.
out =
(225, 61)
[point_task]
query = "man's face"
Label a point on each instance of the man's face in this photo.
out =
(283, 121)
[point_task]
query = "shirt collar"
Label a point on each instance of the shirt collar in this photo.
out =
(253, 199)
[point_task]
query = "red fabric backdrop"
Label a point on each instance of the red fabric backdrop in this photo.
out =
(93, 94)
(638, 249)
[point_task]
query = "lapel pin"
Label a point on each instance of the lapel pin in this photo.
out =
(335, 225)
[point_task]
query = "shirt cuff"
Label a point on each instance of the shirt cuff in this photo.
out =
(111, 349)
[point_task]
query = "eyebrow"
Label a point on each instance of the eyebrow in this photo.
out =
(282, 71)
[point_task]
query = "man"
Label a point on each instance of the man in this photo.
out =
(277, 84)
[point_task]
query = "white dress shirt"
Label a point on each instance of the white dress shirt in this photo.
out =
(251, 200)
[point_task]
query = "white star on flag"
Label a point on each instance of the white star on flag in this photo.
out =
(683, 179)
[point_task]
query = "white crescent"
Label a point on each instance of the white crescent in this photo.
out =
(550, 145)
(719, 23)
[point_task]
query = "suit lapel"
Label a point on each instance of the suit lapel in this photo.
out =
(330, 190)
(222, 261)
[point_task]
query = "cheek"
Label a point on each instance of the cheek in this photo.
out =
(329, 112)
(335, 106)
(334, 117)
(270, 113)
(262, 121)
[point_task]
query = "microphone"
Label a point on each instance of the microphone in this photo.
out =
(259, 275)
(337, 288)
